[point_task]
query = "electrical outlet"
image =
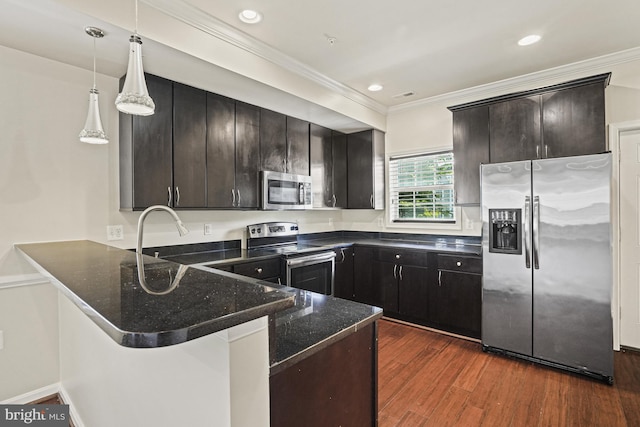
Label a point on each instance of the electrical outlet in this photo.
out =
(115, 232)
(208, 229)
(468, 224)
(380, 222)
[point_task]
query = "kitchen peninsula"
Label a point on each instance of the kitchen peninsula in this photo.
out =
(198, 355)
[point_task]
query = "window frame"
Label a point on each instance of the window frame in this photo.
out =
(393, 191)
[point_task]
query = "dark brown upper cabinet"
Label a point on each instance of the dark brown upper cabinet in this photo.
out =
(514, 129)
(566, 119)
(573, 121)
(146, 151)
(273, 141)
(470, 148)
(297, 146)
(284, 143)
(365, 170)
(247, 172)
(233, 153)
(328, 154)
(189, 147)
(221, 151)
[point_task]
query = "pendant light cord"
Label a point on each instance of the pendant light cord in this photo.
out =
(135, 30)
(94, 62)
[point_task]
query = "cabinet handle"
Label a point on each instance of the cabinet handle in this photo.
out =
(170, 194)
(458, 263)
(259, 270)
(439, 277)
(397, 256)
(400, 272)
(395, 267)
(334, 200)
(177, 196)
(546, 150)
(537, 151)
(238, 204)
(233, 197)
(284, 165)
(343, 256)
(372, 206)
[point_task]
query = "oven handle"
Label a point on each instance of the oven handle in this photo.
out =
(311, 259)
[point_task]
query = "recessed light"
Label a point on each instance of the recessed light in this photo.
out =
(530, 39)
(375, 87)
(250, 16)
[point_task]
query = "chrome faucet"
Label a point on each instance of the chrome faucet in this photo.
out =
(139, 257)
(181, 228)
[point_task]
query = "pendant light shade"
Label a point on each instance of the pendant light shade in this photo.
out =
(134, 98)
(93, 133)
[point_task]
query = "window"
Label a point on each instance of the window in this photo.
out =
(421, 188)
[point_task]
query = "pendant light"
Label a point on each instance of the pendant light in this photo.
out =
(93, 133)
(134, 98)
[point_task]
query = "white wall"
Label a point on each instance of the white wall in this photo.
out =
(427, 126)
(53, 187)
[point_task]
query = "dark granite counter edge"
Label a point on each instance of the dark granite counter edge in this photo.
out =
(162, 338)
(321, 345)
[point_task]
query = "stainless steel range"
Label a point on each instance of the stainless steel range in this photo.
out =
(307, 267)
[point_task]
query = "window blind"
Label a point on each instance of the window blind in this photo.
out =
(421, 188)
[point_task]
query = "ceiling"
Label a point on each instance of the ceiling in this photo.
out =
(423, 47)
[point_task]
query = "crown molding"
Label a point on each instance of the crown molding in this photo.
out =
(539, 78)
(201, 20)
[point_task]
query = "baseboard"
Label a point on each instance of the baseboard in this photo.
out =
(75, 417)
(427, 328)
(34, 395)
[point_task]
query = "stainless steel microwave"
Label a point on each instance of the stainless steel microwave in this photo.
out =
(284, 191)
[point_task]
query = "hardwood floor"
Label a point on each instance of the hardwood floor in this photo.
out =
(430, 379)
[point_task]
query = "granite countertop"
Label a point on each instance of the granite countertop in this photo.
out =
(103, 282)
(466, 246)
(435, 246)
(313, 323)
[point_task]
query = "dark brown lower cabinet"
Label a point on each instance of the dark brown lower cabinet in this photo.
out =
(455, 302)
(343, 277)
(365, 290)
(337, 386)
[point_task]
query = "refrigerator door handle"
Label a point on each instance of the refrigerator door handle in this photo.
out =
(526, 225)
(536, 232)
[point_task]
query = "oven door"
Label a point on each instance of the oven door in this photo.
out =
(312, 272)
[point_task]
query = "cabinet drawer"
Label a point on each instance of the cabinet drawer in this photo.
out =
(259, 269)
(465, 264)
(403, 256)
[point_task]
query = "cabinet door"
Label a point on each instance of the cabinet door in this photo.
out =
(189, 147)
(339, 178)
(412, 291)
(343, 280)
(247, 151)
(514, 129)
(364, 289)
(385, 278)
(220, 151)
(297, 146)
(460, 304)
(360, 170)
(152, 147)
(320, 148)
(573, 121)
(273, 140)
(470, 150)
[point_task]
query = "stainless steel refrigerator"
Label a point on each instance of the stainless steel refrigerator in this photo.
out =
(547, 276)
